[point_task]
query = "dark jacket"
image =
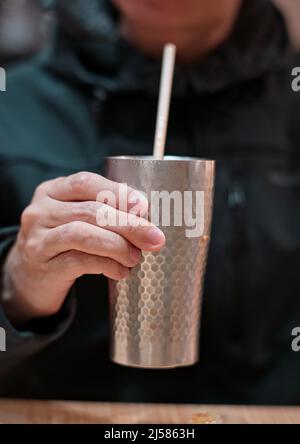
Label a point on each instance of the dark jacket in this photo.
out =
(81, 101)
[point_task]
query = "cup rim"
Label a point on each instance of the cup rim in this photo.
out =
(184, 159)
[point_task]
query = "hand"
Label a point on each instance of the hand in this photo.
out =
(60, 240)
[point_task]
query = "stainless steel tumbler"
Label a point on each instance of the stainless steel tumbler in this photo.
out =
(155, 313)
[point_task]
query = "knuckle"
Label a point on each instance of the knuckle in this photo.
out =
(74, 232)
(80, 181)
(29, 216)
(41, 189)
(69, 232)
(32, 249)
(64, 208)
(85, 212)
(64, 233)
(112, 243)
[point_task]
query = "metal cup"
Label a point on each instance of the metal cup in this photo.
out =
(155, 313)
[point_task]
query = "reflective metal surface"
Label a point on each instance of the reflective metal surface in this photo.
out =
(155, 313)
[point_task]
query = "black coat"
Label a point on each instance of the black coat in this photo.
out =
(67, 110)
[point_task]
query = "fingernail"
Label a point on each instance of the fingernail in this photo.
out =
(135, 254)
(156, 236)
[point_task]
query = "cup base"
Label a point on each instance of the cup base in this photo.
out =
(153, 367)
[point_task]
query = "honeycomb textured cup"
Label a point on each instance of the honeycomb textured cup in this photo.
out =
(155, 312)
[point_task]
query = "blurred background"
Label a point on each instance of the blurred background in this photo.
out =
(25, 28)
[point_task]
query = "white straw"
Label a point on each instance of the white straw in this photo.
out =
(165, 93)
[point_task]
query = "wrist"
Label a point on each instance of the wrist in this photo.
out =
(10, 299)
(14, 297)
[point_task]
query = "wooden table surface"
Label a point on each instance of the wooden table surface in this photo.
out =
(54, 412)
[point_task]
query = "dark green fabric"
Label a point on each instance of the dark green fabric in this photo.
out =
(64, 112)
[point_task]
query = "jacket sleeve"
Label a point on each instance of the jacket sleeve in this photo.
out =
(15, 345)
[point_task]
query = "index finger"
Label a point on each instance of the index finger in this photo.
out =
(87, 186)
